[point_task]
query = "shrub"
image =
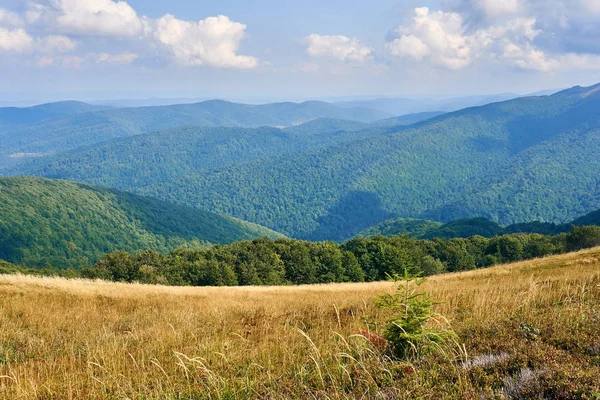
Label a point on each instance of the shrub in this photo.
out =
(583, 237)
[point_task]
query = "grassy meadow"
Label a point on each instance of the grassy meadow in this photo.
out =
(529, 330)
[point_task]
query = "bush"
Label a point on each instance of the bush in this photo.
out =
(583, 237)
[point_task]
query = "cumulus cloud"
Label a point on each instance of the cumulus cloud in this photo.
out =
(409, 46)
(88, 17)
(123, 58)
(337, 46)
(438, 36)
(443, 39)
(8, 18)
(527, 57)
(213, 41)
(15, 40)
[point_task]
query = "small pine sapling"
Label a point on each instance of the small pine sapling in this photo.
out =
(409, 330)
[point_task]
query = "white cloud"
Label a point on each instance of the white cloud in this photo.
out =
(438, 35)
(56, 44)
(88, 17)
(527, 57)
(123, 58)
(15, 40)
(63, 61)
(340, 47)
(442, 39)
(8, 18)
(409, 46)
(213, 41)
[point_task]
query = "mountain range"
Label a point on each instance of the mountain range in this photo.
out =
(521, 160)
(70, 130)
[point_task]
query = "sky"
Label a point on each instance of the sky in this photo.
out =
(264, 50)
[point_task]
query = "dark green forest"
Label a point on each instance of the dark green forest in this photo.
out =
(289, 261)
(462, 228)
(63, 224)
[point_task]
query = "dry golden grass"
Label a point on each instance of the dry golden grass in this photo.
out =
(77, 339)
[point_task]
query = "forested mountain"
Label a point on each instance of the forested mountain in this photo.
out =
(542, 148)
(82, 129)
(143, 160)
(11, 117)
(526, 159)
(65, 224)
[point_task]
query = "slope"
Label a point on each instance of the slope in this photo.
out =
(66, 224)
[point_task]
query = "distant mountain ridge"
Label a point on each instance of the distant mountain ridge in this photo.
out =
(87, 128)
(16, 116)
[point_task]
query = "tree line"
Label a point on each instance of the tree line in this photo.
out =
(288, 261)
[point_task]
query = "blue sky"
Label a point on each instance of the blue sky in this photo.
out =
(267, 50)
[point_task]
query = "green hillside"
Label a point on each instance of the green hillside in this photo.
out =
(70, 132)
(65, 224)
